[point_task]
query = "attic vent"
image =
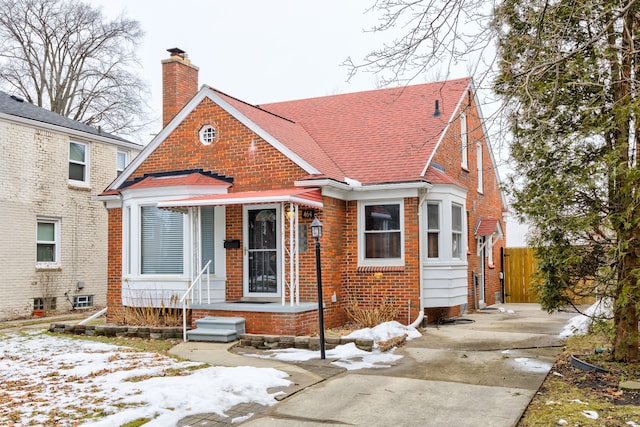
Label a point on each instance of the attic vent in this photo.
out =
(17, 98)
(436, 112)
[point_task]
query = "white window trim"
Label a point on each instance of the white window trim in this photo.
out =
(464, 145)
(126, 161)
(440, 223)
(446, 197)
(131, 237)
(479, 165)
(87, 164)
(379, 262)
(462, 228)
(57, 242)
(207, 134)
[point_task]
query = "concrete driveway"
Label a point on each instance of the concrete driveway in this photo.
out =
(483, 372)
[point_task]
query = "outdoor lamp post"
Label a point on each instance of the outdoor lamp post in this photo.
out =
(316, 232)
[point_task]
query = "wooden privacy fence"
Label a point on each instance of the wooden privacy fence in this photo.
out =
(519, 268)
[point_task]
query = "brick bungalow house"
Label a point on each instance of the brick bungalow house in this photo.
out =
(403, 181)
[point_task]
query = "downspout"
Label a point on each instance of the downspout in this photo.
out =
(423, 199)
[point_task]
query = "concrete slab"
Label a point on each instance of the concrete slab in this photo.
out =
(480, 373)
(372, 400)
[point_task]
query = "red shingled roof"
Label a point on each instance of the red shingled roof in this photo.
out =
(486, 226)
(377, 136)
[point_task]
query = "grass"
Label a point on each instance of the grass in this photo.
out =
(140, 344)
(574, 396)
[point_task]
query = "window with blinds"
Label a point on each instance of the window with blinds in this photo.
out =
(161, 241)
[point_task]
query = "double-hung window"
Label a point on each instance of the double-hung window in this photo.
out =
(48, 243)
(463, 141)
(479, 159)
(79, 162)
(456, 231)
(433, 230)
(382, 226)
(161, 241)
(122, 161)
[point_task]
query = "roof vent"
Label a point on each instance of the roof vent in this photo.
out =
(436, 113)
(17, 98)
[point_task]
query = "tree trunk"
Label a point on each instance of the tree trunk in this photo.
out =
(625, 347)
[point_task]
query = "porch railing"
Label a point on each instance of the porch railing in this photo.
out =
(189, 294)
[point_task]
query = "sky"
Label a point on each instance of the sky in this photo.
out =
(261, 51)
(47, 377)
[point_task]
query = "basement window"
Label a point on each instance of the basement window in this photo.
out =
(80, 301)
(207, 134)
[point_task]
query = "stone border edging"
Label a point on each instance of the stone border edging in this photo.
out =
(271, 342)
(148, 332)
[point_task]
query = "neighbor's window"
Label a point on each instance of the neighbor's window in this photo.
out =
(463, 140)
(122, 161)
(383, 231)
(207, 240)
(78, 162)
(44, 303)
(48, 242)
(80, 301)
(161, 241)
(456, 231)
(433, 230)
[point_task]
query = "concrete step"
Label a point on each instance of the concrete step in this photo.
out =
(212, 335)
(218, 322)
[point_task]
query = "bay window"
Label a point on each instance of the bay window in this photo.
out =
(161, 241)
(433, 230)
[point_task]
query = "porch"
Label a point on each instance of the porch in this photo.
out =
(272, 318)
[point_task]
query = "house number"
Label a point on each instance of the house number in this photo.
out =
(308, 213)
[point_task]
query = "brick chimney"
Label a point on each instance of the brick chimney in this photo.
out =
(179, 83)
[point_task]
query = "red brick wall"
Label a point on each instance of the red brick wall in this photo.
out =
(297, 324)
(401, 286)
(487, 204)
(179, 84)
(114, 267)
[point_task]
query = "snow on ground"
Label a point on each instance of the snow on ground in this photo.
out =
(57, 380)
(62, 381)
(579, 324)
(349, 356)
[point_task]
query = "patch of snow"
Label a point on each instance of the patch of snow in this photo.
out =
(578, 401)
(531, 365)
(592, 415)
(49, 378)
(562, 422)
(349, 356)
(632, 424)
(385, 331)
(579, 324)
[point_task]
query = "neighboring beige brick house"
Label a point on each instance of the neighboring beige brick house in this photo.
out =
(53, 254)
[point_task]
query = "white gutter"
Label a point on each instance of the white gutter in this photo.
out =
(421, 234)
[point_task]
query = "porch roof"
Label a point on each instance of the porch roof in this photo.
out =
(311, 197)
(488, 226)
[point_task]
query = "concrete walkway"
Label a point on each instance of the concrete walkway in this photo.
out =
(483, 371)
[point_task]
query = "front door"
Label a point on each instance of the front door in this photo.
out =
(262, 252)
(480, 278)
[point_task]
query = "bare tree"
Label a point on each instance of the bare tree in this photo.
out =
(434, 36)
(65, 56)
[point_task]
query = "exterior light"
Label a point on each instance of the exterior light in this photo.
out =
(316, 228)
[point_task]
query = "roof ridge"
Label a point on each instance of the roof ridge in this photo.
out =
(251, 105)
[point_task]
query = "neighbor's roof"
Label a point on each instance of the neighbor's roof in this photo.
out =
(377, 136)
(18, 107)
